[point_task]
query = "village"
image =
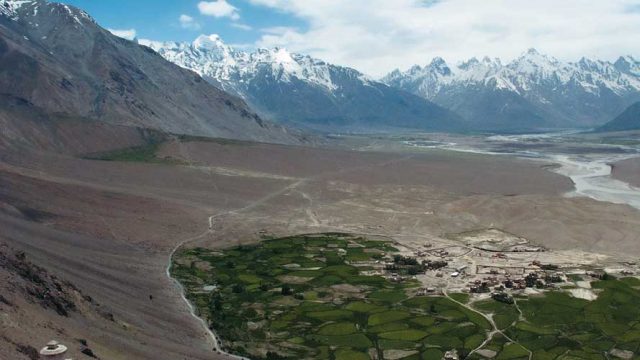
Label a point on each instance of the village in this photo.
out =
(438, 296)
(497, 264)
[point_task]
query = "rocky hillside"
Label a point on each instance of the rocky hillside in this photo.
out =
(56, 60)
(534, 91)
(628, 120)
(31, 294)
(299, 89)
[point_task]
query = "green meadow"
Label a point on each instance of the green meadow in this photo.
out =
(310, 297)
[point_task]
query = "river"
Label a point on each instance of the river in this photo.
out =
(591, 176)
(585, 159)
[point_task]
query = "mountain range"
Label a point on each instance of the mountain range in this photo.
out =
(534, 91)
(298, 89)
(58, 65)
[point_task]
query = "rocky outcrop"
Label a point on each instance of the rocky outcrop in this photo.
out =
(38, 286)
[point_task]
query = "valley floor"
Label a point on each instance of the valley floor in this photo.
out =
(108, 227)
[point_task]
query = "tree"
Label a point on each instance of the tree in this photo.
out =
(216, 303)
(286, 290)
(415, 270)
(606, 277)
(274, 356)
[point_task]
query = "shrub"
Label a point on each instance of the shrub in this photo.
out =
(286, 290)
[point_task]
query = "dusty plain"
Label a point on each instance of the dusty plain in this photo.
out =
(108, 228)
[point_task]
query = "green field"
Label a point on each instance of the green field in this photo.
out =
(301, 298)
(146, 153)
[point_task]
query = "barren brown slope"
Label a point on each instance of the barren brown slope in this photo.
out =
(114, 248)
(627, 171)
(29, 128)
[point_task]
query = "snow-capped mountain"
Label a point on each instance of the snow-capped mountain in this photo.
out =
(532, 91)
(57, 63)
(9, 8)
(211, 57)
(28, 10)
(300, 89)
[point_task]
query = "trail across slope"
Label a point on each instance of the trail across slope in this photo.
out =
(210, 230)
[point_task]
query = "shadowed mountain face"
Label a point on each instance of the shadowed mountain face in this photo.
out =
(308, 92)
(55, 60)
(532, 92)
(628, 120)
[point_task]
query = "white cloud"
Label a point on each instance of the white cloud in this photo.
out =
(188, 22)
(244, 27)
(283, 36)
(278, 30)
(219, 9)
(128, 34)
(376, 36)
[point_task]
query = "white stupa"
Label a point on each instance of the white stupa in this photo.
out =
(53, 350)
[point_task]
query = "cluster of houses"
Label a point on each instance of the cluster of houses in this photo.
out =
(400, 267)
(495, 279)
(538, 280)
(442, 253)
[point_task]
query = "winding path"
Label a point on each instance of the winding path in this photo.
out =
(491, 321)
(211, 222)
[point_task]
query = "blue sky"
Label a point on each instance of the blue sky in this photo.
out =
(160, 19)
(377, 36)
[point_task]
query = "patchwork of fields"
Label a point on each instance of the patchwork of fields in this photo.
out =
(316, 297)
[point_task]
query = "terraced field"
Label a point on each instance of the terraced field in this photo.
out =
(559, 326)
(320, 297)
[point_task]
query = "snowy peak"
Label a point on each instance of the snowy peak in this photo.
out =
(535, 59)
(280, 60)
(301, 89)
(628, 65)
(9, 8)
(30, 10)
(209, 56)
(209, 43)
(496, 62)
(205, 46)
(529, 71)
(280, 56)
(439, 66)
(532, 52)
(533, 56)
(533, 86)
